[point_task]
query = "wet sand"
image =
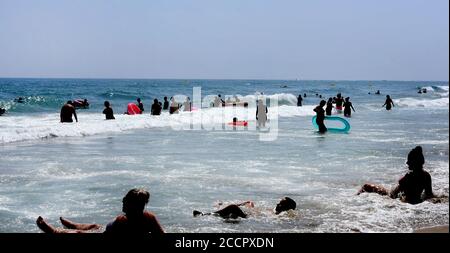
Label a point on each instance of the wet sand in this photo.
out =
(435, 229)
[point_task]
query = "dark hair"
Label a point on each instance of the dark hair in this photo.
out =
(70, 102)
(234, 119)
(138, 99)
(155, 100)
(290, 203)
(416, 158)
(323, 102)
(165, 98)
(137, 197)
(106, 104)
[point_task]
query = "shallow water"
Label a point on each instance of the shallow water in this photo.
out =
(82, 171)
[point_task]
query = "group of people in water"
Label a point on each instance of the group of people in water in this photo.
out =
(413, 188)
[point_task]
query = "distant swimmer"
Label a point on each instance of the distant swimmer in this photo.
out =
(339, 102)
(348, 107)
(411, 186)
(66, 113)
(378, 92)
(304, 95)
(136, 221)
(329, 107)
(19, 100)
(80, 103)
(234, 211)
(108, 111)
(156, 107)
(424, 90)
(174, 106)
(389, 103)
(166, 104)
(2, 111)
(187, 105)
(299, 100)
(140, 105)
(261, 113)
(320, 112)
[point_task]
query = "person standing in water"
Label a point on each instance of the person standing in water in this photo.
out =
(412, 185)
(187, 105)
(339, 101)
(329, 107)
(261, 113)
(156, 107)
(174, 106)
(66, 113)
(348, 107)
(389, 103)
(299, 100)
(320, 116)
(108, 111)
(166, 104)
(140, 105)
(2, 111)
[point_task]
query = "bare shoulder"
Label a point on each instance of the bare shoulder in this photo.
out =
(149, 215)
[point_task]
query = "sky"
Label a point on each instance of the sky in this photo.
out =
(226, 39)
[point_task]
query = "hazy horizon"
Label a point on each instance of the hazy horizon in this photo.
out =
(222, 40)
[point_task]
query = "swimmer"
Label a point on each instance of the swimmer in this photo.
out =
(234, 211)
(156, 107)
(299, 100)
(135, 221)
(140, 105)
(108, 111)
(412, 185)
(329, 107)
(320, 112)
(389, 103)
(166, 104)
(348, 107)
(66, 113)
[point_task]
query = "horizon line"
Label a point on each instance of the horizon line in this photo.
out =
(222, 79)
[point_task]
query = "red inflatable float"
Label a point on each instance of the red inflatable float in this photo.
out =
(238, 123)
(133, 109)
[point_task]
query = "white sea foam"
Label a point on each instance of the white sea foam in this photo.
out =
(427, 103)
(26, 128)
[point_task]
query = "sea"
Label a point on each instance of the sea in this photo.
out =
(195, 160)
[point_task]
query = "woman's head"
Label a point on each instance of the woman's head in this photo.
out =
(415, 159)
(106, 104)
(285, 204)
(322, 103)
(135, 200)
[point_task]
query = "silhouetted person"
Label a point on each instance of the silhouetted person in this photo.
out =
(187, 105)
(140, 105)
(156, 107)
(136, 221)
(108, 111)
(174, 106)
(66, 113)
(233, 211)
(378, 92)
(261, 113)
(329, 107)
(389, 103)
(304, 95)
(339, 101)
(166, 104)
(412, 185)
(299, 100)
(348, 107)
(2, 111)
(320, 118)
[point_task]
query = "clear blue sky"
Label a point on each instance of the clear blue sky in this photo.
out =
(254, 39)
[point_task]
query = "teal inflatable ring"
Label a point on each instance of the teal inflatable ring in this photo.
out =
(345, 128)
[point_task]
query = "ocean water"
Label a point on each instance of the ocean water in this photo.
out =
(194, 160)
